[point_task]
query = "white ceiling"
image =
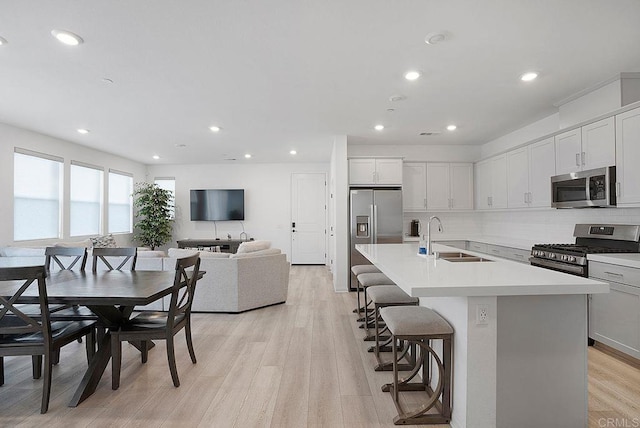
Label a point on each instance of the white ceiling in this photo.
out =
(289, 74)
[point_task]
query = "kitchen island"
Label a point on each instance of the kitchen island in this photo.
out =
(525, 363)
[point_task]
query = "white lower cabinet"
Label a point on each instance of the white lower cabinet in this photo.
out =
(614, 317)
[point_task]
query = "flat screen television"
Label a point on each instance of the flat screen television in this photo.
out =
(217, 204)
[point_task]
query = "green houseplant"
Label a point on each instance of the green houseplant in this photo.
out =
(153, 224)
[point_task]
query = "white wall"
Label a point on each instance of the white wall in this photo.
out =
(551, 225)
(339, 179)
(537, 129)
(267, 198)
(11, 137)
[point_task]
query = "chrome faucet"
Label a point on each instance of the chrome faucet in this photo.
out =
(429, 251)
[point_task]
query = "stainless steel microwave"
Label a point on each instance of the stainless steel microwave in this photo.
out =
(592, 188)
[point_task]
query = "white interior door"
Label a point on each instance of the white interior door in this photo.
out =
(308, 218)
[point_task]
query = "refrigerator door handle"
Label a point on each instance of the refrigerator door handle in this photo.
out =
(374, 229)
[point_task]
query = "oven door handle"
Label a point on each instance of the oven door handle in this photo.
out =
(568, 268)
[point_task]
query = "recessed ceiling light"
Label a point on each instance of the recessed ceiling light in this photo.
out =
(451, 128)
(83, 131)
(156, 157)
(247, 156)
(107, 80)
(214, 128)
(378, 127)
(394, 98)
(411, 75)
(181, 146)
(67, 37)
(433, 38)
(529, 76)
(3, 41)
(292, 152)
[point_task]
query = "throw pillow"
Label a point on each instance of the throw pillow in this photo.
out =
(104, 241)
(74, 244)
(251, 246)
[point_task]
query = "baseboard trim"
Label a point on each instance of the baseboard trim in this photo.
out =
(617, 354)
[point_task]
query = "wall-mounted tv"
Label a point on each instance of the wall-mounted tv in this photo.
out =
(217, 204)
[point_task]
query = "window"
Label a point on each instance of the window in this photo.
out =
(168, 183)
(37, 190)
(85, 208)
(120, 202)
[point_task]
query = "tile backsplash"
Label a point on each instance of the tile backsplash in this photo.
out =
(544, 226)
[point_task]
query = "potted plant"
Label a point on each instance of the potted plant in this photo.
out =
(153, 225)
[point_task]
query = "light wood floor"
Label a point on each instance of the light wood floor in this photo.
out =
(293, 365)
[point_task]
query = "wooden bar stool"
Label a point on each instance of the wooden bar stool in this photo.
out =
(355, 271)
(381, 297)
(367, 280)
(419, 325)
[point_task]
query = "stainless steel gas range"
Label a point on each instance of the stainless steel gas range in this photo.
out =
(590, 239)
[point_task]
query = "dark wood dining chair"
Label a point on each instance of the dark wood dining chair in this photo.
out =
(120, 254)
(66, 258)
(149, 326)
(23, 334)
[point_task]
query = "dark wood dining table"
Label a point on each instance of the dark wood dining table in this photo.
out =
(111, 295)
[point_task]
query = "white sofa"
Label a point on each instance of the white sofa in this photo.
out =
(237, 282)
(232, 283)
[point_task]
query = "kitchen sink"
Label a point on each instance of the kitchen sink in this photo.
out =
(461, 257)
(466, 259)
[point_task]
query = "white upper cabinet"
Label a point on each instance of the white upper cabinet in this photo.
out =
(599, 144)
(438, 187)
(491, 183)
(449, 186)
(529, 172)
(628, 157)
(461, 183)
(414, 186)
(518, 178)
(541, 168)
(589, 147)
(482, 184)
(568, 149)
(379, 172)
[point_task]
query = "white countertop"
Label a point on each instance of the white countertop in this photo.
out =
(621, 259)
(429, 276)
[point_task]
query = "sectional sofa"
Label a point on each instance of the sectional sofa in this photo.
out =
(255, 277)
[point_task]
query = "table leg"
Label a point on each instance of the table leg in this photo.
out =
(94, 372)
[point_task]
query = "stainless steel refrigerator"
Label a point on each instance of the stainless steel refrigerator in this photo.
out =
(376, 218)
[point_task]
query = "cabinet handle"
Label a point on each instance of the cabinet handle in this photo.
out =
(577, 159)
(525, 198)
(614, 274)
(495, 251)
(518, 255)
(584, 156)
(617, 188)
(425, 202)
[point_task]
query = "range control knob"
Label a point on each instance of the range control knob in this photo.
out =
(552, 256)
(572, 258)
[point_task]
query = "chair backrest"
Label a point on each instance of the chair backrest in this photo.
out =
(184, 286)
(71, 254)
(125, 254)
(14, 281)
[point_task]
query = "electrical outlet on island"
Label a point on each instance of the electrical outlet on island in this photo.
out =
(482, 314)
